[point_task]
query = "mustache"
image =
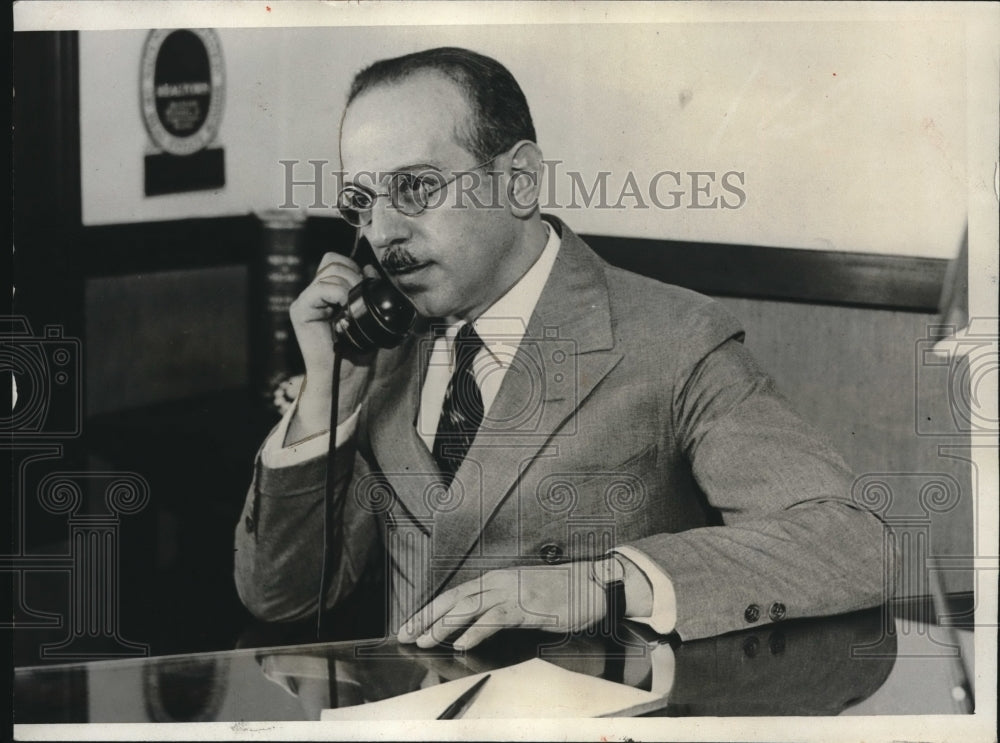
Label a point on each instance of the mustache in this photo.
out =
(397, 260)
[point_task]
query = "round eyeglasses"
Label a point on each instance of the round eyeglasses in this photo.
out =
(408, 193)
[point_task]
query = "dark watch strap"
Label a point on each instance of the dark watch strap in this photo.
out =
(614, 592)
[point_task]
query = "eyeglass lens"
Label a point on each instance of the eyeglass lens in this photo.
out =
(407, 192)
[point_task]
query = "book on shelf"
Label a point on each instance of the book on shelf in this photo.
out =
(278, 275)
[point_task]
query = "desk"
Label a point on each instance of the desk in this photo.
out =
(880, 661)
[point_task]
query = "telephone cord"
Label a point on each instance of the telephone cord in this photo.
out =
(332, 506)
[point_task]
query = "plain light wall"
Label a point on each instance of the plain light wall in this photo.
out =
(850, 136)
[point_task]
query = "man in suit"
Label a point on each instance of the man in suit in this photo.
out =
(558, 440)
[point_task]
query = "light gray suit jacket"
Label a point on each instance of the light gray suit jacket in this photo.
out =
(632, 415)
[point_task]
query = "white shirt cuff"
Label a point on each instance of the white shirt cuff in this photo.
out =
(275, 456)
(663, 665)
(663, 618)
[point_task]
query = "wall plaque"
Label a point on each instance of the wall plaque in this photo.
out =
(182, 93)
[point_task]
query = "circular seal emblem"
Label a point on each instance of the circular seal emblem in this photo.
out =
(182, 88)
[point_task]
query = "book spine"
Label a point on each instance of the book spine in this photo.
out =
(279, 277)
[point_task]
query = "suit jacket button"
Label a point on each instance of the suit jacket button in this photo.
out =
(248, 522)
(550, 553)
(750, 646)
(752, 613)
(777, 611)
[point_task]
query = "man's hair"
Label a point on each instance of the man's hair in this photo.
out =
(500, 115)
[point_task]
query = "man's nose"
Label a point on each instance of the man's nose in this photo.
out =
(388, 225)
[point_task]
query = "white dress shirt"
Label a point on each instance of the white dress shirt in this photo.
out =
(502, 327)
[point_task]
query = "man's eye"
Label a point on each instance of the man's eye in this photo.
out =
(404, 184)
(425, 184)
(360, 200)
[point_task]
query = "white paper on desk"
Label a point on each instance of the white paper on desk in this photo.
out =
(534, 688)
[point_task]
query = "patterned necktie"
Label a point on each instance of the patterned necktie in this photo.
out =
(462, 409)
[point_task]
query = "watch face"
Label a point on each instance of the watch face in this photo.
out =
(609, 570)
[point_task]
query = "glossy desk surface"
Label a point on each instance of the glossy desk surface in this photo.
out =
(870, 662)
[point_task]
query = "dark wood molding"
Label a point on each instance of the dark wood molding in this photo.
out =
(784, 274)
(171, 245)
(781, 274)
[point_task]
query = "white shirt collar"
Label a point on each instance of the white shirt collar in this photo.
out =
(504, 323)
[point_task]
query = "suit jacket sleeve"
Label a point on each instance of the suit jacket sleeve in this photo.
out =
(279, 539)
(793, 543)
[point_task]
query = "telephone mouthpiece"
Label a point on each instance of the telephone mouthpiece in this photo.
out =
(377, 315)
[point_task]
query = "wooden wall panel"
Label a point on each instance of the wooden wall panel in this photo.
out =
(164, 336)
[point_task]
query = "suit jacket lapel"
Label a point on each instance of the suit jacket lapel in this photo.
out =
(403, 458)
(566, 352)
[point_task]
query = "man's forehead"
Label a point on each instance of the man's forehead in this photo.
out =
(414, 121)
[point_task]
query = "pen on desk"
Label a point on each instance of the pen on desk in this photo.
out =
(456, 708)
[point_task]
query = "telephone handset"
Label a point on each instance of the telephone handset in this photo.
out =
(377, 314)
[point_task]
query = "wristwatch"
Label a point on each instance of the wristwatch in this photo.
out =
(610, 573)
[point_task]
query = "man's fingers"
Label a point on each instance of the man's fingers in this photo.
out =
(329, 290)
(335, 261)
(336, 280)
(318, 301)
(426, 617)
(416, 625)
(338, 273)
(459, 615)
(491, 622)
(448, 612)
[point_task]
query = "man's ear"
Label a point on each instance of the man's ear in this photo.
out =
(525, 182)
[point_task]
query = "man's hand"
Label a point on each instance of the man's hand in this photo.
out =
(311, 314)
(560, 598)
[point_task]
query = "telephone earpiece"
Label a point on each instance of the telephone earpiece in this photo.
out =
(377, 314)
